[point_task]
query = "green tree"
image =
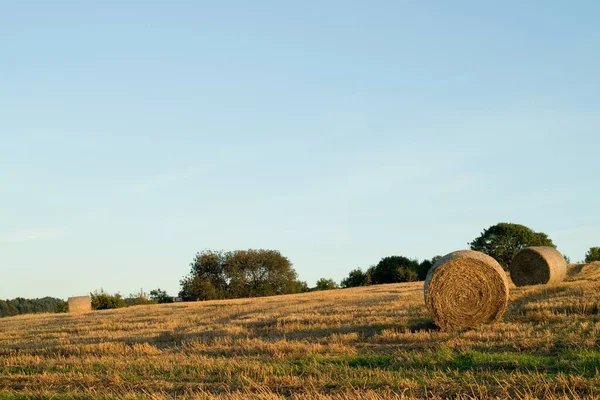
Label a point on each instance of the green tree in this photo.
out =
(102, 300)
(369, 274)
(160, 296)
(4, 311)
(326, 284)
(356, 278)
(207, 279)
(425, 266)
(195, 288)
(13, 307)
(395, 269)
(254, 273)
(61, 307)
(502, 241)
(28, 306)
(240, 273)
(140, 298)
(302, 287)
(592, 255)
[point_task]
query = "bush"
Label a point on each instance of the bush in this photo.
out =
(302, 287)
(356, 278)
(326, 284)
(425, 266)
(194, 288)
(160, 296)
(141, 298)
(395, 269)
(502, 241)
(104, 301)
(592, 255)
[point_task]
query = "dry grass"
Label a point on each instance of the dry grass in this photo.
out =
(367, 343)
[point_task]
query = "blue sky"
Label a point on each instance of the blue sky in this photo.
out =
(134, 134)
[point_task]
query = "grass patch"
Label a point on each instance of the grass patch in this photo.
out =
(373, 342)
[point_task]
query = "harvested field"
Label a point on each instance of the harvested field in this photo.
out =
(377, 342)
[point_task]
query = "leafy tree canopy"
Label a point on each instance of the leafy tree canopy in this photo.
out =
(425, 266)
(395, 269)
(302, 287)
(102, 300)
(20, 306)
(240, 273)
(140, 298)
(502, 241)
(326, 284)
(592, 255)
(160, 296)
(356, 278)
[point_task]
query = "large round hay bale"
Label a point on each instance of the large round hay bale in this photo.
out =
(538, 266)
(464, 289)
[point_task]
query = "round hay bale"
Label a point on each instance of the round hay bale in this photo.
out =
(538, 266)
(464, 289)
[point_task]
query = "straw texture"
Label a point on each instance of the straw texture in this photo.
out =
(538, 266)
(464, 289)
(80, 304)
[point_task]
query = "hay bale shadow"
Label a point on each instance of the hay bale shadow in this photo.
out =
(519, 306)
(422, 325)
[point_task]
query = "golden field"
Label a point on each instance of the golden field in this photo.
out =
(375, 342)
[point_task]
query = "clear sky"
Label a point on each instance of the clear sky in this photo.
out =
(135, 133)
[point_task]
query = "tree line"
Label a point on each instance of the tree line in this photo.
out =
(216, 275)
(100, 299)
(250, 273)
(19, 306)
(501, 241)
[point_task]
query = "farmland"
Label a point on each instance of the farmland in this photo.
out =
(374, 342)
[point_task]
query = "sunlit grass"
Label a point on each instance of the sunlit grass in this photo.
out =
(374, 343)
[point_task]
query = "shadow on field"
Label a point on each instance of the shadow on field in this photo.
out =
(265, 330)
(558, 299)
(422, 325)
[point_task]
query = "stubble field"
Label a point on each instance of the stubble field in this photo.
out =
(376, 342)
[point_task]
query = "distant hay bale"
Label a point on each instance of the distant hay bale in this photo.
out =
(80, 304)
(538, 266)
(466, 288)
